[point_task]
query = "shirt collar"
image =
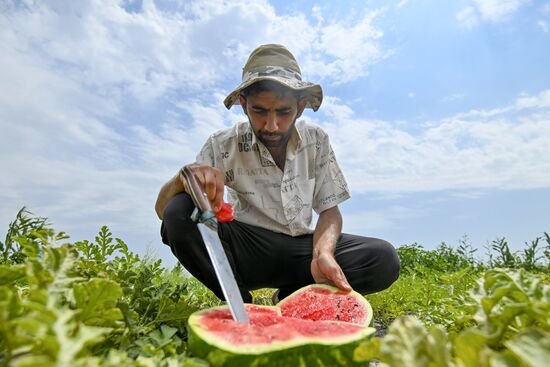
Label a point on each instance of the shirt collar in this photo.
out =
(293, 142)
(292, 147)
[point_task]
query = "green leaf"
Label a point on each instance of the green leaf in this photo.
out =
(437, 347)
(367, 350)
(11, 273)
(532, 347)
(97, 300)
(505, 359)
(470, 349)
(409, 343)
(70, 342)
(195, 362)
(163, 336)
(33, 361)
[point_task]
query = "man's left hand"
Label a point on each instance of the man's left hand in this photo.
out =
(325, 269)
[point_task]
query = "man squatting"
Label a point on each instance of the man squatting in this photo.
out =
(276, 171)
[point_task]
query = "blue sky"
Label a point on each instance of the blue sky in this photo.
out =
(438, 111)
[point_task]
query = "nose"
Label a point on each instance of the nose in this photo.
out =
(271, 124)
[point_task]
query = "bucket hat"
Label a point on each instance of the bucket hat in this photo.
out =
(275, 62)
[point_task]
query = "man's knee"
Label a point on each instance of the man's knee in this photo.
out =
(382, 269)
(179, 207)
(390, 263)
(177, 221)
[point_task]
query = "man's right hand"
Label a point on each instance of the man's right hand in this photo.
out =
(212, 181)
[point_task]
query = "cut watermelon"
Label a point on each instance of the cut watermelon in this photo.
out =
(317, 325)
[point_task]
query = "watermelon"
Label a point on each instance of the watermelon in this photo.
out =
(317, 325)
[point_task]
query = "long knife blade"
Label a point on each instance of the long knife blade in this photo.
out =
(215, 249)
(224, 273)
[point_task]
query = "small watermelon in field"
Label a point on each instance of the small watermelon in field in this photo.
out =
(318, 325)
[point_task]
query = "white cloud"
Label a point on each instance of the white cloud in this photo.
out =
(524, 101)
(150, 52)
(373, 221)
(467, 17)
(317, 13)
(351, 48)
(104, 104)
(498, 10)
(401, 4)
(175, 143)
(543, 25)
(334, 109)
(502, 148)
(452, 97)
(47, 109)
(542, 100)
(488, 10)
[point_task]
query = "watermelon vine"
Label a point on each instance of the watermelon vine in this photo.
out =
(96, 303)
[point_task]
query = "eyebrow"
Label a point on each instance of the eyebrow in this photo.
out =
(281, 109)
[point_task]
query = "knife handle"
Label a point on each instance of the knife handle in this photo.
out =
(199, 196)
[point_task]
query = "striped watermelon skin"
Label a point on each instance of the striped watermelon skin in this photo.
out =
(277, 337)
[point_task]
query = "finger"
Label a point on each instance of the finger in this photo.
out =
(206, 177)
(341, 281)
(338, 277)
(211, 188)
(219, 183)
(199, 175)
(215, 189)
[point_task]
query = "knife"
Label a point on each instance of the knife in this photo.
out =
(208, 227)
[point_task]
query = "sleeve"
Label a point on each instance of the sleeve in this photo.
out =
(207, 155)
(330, 185)
(211, 154)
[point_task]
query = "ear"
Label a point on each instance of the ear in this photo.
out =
(242, 101)
(301, 106)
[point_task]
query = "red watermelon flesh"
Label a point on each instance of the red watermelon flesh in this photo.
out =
(268, 326)
(317, 325)
(317, 303)
(314, 312)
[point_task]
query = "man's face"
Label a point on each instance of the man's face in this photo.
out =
(272, 116)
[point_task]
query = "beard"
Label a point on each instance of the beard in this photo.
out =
(275, 140)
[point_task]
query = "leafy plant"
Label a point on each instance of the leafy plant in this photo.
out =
(25, 226)
(88, 303)
(529, 258)
(429, 295)
(508, 313)
(96, 303)
(443, 259)
(505, 257)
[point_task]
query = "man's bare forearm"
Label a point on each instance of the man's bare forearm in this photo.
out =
(324, 267)
(327, 232)
(211, 179)
(170, 189)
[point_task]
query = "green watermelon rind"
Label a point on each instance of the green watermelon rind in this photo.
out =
(300, 351)
(357, 295)
(195, 325)
(309, 354)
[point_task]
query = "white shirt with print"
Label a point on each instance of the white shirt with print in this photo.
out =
(265, 196)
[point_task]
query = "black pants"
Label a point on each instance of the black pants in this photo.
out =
(264, 259)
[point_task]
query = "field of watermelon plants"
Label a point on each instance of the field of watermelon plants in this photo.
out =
(96, 303)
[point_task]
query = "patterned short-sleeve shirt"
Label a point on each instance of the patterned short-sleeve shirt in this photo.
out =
(261, 193)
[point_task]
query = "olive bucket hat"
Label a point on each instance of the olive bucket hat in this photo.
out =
(276, 63)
